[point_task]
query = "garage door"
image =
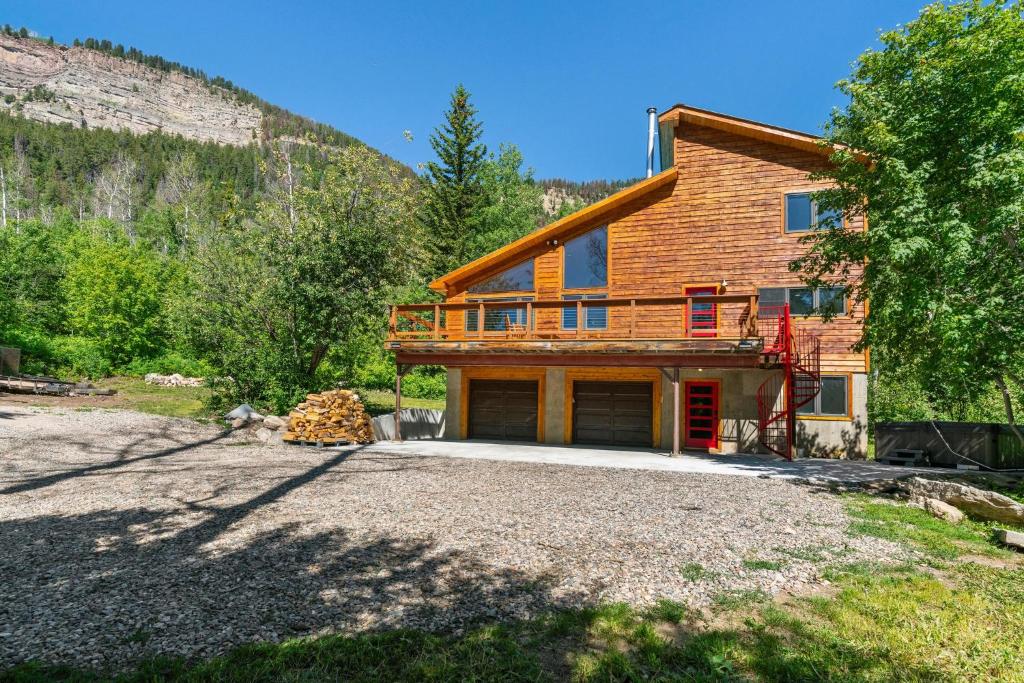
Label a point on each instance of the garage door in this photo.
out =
(612, 413)
(503, 409)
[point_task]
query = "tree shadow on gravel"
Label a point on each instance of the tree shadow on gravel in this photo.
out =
(108, 588)
(100, 585)
(137, 450)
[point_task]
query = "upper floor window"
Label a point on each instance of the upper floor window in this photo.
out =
(586, 260)
(805, 300)
(803, 214)
(518, 278)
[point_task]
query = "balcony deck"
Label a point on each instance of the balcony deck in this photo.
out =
(706, 330)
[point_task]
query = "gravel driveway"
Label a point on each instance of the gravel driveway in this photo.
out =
(125, 535)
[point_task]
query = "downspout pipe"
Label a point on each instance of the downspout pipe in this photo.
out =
(652, 128)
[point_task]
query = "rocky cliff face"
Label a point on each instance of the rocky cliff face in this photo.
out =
(58, 84)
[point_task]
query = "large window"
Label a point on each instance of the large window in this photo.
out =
(804, 215)
(586, 260)
(594, 317)
(516, 279)
(804, 300)
(497, 318)
(831, 401)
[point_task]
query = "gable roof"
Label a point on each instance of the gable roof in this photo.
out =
(511, 254)
(751, 129)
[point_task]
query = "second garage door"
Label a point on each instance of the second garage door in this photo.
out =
(613, 413)
(503, 409)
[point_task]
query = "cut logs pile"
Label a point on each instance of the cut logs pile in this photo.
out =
(330, 417)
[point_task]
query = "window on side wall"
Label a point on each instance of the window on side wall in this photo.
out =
(804, 215)
(832, 401)
(804, 301)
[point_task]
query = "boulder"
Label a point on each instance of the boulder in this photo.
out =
(244, 412)
(273, 422)
(974, 501)
(264, 434)
(239, 423)
(942, 510)
(1014, 539)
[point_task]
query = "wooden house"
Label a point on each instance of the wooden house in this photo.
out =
(664, 316)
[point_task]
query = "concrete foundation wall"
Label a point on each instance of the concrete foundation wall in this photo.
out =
(554, 406)
(417, 423)
(453, 404)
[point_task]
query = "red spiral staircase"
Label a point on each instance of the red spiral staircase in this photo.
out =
(797, 354)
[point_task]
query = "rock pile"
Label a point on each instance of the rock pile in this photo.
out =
(174, 380)
(330, 417)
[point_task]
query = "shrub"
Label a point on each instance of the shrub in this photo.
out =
(79, 357)
(425, 383)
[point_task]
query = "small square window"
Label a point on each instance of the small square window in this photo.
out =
(832, 399)
(831, 300)
(827, 219)
(801, 301)
(799, 214)
(803, 214)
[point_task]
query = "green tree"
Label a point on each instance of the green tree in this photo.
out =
(938, 113)
(276, 292)
(452, 193)
(115, 294)
(511, 204)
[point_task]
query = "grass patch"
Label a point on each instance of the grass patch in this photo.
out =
(732, 600)
(669, 611)
(917, 529)
(379, 401)
(134, 394)
(692, 571)
(764, 565)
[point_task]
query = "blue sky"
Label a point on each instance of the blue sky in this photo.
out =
(566, 82)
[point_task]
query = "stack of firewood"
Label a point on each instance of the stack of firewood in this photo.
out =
(330, 417)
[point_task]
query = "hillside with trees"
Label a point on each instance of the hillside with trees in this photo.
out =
(264, 267)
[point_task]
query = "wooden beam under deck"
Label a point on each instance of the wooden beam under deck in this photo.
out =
(625, 360)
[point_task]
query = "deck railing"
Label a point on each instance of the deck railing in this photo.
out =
(721, 316)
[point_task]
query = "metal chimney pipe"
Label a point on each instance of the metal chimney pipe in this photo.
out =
(652, 127)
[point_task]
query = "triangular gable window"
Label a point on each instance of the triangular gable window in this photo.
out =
(516, 279)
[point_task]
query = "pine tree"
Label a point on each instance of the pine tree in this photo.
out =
(453, 191)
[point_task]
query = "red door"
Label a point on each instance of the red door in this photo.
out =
(701, 414)
(704, 316)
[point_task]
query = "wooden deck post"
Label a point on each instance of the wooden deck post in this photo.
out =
(437, 321)
(675, 411)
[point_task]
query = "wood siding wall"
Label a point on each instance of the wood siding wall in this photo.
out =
(722, 220)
